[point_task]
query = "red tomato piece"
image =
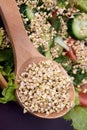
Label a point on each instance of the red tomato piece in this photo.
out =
(83, 96)
(71, 54)
(71, 40)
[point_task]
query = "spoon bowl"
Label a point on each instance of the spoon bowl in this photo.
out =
(24, 52)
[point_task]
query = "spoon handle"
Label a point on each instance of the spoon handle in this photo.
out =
(3, 82)
(22, 47)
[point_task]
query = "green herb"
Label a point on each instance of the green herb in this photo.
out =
(8, 94)
(62, 59)
(40, 2)
(78, 77)
(55, 23)
(41, 50)
(22, 9)
(48, 52)
(6, 55)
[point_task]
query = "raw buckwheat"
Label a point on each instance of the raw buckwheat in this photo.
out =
(43, 88)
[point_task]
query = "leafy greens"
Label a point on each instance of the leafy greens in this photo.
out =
(78, 115)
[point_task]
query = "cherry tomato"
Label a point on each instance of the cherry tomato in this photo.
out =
(71, 54)
(83, 96)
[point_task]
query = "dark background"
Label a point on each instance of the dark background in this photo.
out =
(12, 118)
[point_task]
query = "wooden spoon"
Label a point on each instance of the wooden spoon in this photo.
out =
(3, 82)
(24, 52)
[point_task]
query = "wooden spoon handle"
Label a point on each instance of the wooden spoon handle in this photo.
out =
(3, 83)
(22, 47)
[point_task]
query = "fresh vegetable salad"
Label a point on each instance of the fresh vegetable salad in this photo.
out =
(58, 30)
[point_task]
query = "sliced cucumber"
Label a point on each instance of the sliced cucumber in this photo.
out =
(79, 26)
(81, 4)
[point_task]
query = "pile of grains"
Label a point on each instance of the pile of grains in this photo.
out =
(81, 53)
(55, 51)
(43, 88)
(50, 4)
(5, 40)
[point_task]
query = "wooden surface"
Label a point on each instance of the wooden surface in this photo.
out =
(24, 52)
(12, 118)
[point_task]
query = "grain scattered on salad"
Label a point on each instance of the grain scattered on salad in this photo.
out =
(5, 40)
(40, 33)
(56, 16)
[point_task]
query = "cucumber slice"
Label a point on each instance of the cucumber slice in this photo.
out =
(81, 4)
(79, 26)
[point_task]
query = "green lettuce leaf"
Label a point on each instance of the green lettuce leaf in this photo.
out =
(8, 93)
(78, 115)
